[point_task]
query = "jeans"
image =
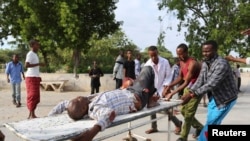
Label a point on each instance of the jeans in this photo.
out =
(16, 91)
(214, 116)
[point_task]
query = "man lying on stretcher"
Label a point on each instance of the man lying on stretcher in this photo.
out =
(107, 105)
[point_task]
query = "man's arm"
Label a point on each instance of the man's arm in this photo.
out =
(23, 75)
(59, 108)
(175, 82)
(22, 71)
(115, 69)
(101, 73)
(28, 65)
(219, 73)
(168, 78)
(88, 135)
(192, 69)
(233, 59)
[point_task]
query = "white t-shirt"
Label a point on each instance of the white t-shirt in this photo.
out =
(32, 58)
(248, 61)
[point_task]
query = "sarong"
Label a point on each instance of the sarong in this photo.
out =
(33, 92)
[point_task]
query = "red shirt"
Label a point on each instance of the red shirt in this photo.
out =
(184, 69)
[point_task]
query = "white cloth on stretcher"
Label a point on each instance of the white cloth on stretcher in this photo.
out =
(61, 127)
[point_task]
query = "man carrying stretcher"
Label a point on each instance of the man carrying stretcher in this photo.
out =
(107, 105)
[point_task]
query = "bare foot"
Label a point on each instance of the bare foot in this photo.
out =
(31, 117)
(151, 131)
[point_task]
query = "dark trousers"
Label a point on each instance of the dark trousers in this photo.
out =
(94, 90)
(239, 83)
(173, 118)
(118, 83)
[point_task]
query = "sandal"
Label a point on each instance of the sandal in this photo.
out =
(197, 133)
(177, 130)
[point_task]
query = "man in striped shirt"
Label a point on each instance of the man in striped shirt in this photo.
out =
(107, 105)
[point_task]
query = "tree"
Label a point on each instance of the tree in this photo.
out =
(105, 50)
(211, 19)
(59, 24)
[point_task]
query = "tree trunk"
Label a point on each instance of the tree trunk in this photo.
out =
(76, 58)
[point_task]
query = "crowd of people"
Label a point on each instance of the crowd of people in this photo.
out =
(139, 84)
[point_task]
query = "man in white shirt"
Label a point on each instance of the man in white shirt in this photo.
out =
(33, 79)
(163, 78)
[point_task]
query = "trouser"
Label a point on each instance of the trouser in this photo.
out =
(16, 89)
(173, 118)
(118, 83)
(214, 116)
(188, 111)
(94, 90)
(239, 83)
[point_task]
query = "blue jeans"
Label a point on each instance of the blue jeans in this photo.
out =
(16, 91)
(215, 116)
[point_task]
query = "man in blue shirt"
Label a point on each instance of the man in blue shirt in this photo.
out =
(14, 70)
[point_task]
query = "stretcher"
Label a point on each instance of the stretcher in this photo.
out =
(61, 127)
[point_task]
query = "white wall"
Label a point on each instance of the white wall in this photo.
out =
(80, 84)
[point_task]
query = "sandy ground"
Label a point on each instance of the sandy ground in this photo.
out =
(49, 99)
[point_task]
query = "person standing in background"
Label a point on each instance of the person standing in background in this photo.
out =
(14, 70)
(144, 62)
(95, 73)
(129, 66)
(118, 69)
(32, 78)
(137, 65)
(238, 77)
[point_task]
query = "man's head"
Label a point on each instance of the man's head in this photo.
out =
(238, 65)
(15, 58)
(138, 56)
(209, 50)
(121, 52)
(78, 107)
(182, 52)
(94, 64)
(129, 54)
(127, 82)
(177, 61)
(153, 54)
(34, 44)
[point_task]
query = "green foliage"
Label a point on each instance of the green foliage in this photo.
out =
(212, 19)
(58, 24)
